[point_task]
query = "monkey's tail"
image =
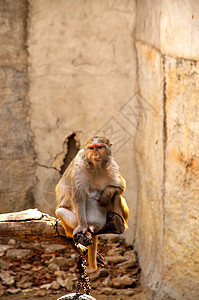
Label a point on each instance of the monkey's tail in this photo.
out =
(125, 212)
(92, 251)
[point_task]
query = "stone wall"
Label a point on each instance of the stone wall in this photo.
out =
(82, 68)
(167, 41)
(129, 73)
(16, 151)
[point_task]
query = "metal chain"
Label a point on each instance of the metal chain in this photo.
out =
(83, 280)
(63, 237)
(83, 277)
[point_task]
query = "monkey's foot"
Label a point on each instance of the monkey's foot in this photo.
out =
(114, 224)
(100, 261)
(83, 238)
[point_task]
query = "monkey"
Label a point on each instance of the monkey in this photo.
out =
(89, 196)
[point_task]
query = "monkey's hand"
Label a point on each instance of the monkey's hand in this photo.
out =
(107, 195)
(82, 235)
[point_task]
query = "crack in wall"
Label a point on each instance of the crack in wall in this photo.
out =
(73, 148)
(135, 140)
(62, 160)
(164, 144)
(44, 166)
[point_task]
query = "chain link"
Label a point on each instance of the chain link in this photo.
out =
(83, 277)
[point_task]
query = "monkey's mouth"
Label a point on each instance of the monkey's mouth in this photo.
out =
(96, 160)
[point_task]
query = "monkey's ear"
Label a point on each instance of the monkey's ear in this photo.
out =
(110, 144)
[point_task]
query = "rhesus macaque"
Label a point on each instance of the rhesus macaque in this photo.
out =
(89, 196)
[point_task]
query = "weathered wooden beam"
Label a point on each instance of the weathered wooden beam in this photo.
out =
(33, 225)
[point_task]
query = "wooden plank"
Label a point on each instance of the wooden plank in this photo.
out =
(33, 225)
(29, 214)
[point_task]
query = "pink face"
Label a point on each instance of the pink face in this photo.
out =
(96, 152)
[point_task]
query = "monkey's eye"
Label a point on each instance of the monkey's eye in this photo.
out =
(91, 148)
(100, 147)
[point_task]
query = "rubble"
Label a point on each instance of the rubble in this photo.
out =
(45, 268)
(6, 278)
(17, 253)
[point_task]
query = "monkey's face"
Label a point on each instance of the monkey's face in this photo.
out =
(96, 153)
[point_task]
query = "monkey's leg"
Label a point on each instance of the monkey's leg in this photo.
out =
(68, 220)
(116, 217)
(92, 251)
(114, 224)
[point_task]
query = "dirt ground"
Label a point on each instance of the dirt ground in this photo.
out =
(139, 295)
(48, 271)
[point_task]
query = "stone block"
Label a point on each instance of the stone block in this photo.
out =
(182, 174)
(13, 33)
(149, 147)
(16, 149)
(179, 34)
(148, 14)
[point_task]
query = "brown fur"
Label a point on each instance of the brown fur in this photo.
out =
(90, 188)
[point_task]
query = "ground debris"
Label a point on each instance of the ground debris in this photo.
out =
(46, 269)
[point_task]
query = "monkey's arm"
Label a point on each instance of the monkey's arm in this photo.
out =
(107, 195)
(80, 209)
